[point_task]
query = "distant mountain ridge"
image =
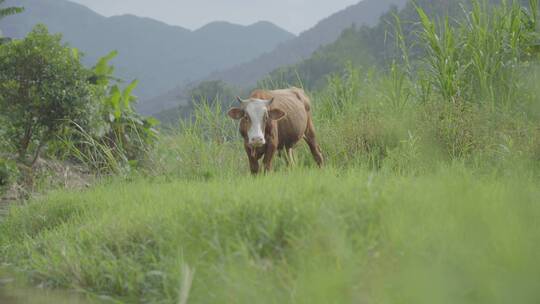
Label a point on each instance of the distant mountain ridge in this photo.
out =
(160, 55)
(366, 12)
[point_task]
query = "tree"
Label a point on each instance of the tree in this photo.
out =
(4, 12)
(43, 88)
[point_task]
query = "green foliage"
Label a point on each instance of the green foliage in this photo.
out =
(8, 11)
(51, 102)
(128, 130)
(342, 89)
(8, 173)
(123, 138)
(43, 86)
(103, 71)
(208, 122)
(442, 56)
(93, 152)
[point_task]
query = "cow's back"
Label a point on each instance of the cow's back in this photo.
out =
(296, 105)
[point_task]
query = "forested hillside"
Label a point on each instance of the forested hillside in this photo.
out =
(160, 55)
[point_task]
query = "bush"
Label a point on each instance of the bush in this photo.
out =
(121, 138)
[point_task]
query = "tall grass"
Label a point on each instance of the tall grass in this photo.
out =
(472, 97)
(204, 147)
(94, 153)
(480, 58)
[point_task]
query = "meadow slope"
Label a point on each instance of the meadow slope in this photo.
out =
(305, 236)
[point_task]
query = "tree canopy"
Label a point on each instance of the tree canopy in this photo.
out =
(43, 87)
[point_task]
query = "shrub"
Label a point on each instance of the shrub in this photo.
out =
(121, 138)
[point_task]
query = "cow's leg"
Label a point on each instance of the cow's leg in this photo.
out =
(253, 161)
(312, 143)
(269, 156)
(254, 165)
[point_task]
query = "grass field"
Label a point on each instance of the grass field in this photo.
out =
(305, 236)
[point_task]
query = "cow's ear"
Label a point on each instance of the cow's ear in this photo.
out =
(236, 113)
(276, 114)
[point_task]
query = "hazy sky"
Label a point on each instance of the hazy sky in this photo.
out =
(292, 15)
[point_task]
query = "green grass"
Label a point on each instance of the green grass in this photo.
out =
(305, 236)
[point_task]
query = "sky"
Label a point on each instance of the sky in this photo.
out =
(292, 15)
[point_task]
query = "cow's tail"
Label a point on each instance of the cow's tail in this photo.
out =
(302, 96)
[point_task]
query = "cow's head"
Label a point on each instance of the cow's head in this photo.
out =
(256, 113)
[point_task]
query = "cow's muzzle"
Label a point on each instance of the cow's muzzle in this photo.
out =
(257, 142)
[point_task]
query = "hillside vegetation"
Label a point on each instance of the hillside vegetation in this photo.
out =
(368, 47)
(430, 193)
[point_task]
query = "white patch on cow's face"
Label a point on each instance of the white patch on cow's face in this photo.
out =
(257, 111)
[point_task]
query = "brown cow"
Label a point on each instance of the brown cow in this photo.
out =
(273, 121)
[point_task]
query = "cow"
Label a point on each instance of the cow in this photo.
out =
(272, 121)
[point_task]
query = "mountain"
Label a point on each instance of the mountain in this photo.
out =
(161, 56)
(366, 12)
